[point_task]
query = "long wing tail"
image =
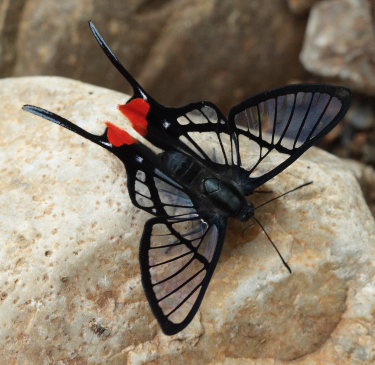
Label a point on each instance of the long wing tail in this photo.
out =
(55, 118)
(139, 92)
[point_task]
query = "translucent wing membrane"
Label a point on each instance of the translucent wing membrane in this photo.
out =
(150, 189)
(205, 131)
(273, 129)
(178, 257)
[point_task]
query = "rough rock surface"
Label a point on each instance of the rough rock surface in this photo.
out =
(70, 284)
(366, 178)
(217, 50)
(340, 43)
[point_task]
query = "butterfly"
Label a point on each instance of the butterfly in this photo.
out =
(190, 187)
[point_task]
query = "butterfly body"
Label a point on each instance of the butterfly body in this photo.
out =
(194, 184)
(214, 195)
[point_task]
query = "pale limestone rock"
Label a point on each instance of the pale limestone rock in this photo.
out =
(69, 255)
(340, 43)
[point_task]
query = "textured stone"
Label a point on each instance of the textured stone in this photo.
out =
(366, 178)
(70, 288)
(223, 51)
(340, 43)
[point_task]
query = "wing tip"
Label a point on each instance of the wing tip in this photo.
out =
(92, 27)
(36, 110)
(344, 93)
(29, 108)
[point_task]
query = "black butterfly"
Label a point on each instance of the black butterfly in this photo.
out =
(192, 188)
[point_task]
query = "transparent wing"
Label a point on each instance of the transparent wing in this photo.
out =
(204, 130)
(274, 128)
(152, 190)
(178, 257)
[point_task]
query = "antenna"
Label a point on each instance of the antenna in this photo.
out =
(261, 226)
(271, 200)
(274, 246)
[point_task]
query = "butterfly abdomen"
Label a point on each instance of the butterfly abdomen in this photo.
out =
(183, 168)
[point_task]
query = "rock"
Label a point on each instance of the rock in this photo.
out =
(301, 7)
(71, 291)
(340, 43)
(222, 51)
(366, 178)
(362, 114)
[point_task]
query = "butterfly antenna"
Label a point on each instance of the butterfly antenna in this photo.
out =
(138, 90)
(274, 246)
(271, 200)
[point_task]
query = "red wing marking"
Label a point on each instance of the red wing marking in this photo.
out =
(118, 136)
(136, 111)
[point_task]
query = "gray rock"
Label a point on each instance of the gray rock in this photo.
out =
(340, 43)
(361, 114)
(70, 288)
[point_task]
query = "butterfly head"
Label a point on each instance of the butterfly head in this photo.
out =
(246, 213)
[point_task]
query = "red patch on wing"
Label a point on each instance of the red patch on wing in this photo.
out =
(136, 111)
(118, 136)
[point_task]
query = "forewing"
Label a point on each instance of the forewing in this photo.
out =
(176, 128)
(262, 136)
(149, 188)
(274, 128)
(177, 260)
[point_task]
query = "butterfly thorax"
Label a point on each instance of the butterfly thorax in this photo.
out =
(213, 192)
